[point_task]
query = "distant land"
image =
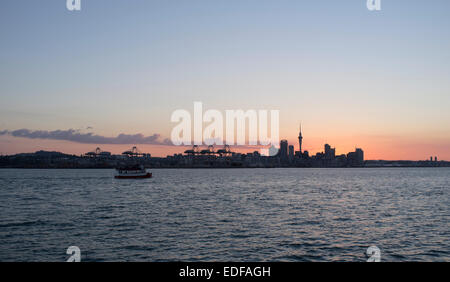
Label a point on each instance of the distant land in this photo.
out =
(202, 159)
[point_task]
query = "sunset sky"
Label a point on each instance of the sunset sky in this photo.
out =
(379, 80)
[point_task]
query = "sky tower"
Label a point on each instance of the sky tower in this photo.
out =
(300, 138)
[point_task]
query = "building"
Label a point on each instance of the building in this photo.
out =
(330, 153)
(356, 158)
(291, 152)
(359, 156)
(283, 153)
(305, 154)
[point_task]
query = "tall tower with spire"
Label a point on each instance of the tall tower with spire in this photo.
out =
(300, 139)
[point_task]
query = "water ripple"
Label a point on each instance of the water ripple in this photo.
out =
(226, 215)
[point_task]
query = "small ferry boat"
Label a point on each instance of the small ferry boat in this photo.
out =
(134, 171)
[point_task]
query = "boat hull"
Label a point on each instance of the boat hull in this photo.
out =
(130, 176)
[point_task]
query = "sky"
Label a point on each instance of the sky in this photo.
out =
(378, 80)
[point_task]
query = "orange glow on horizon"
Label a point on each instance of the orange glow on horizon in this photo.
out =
(387, 148)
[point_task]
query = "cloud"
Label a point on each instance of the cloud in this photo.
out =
(88, 138)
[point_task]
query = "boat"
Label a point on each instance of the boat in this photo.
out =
(134, 171)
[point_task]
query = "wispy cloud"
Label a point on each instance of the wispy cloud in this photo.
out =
(87, 138)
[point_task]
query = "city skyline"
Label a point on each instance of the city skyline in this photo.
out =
(283, 148)
(355, 78)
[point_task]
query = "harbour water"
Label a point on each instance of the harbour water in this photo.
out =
(226, 214)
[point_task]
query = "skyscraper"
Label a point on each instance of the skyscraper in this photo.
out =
(283, 153)
(330, 153)
(300, 139)
(359, 156)
(291, 152)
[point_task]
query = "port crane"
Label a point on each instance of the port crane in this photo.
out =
(98, 153)
(225, 151)
(135, 152)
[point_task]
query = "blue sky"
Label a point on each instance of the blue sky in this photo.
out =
(124, 66)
